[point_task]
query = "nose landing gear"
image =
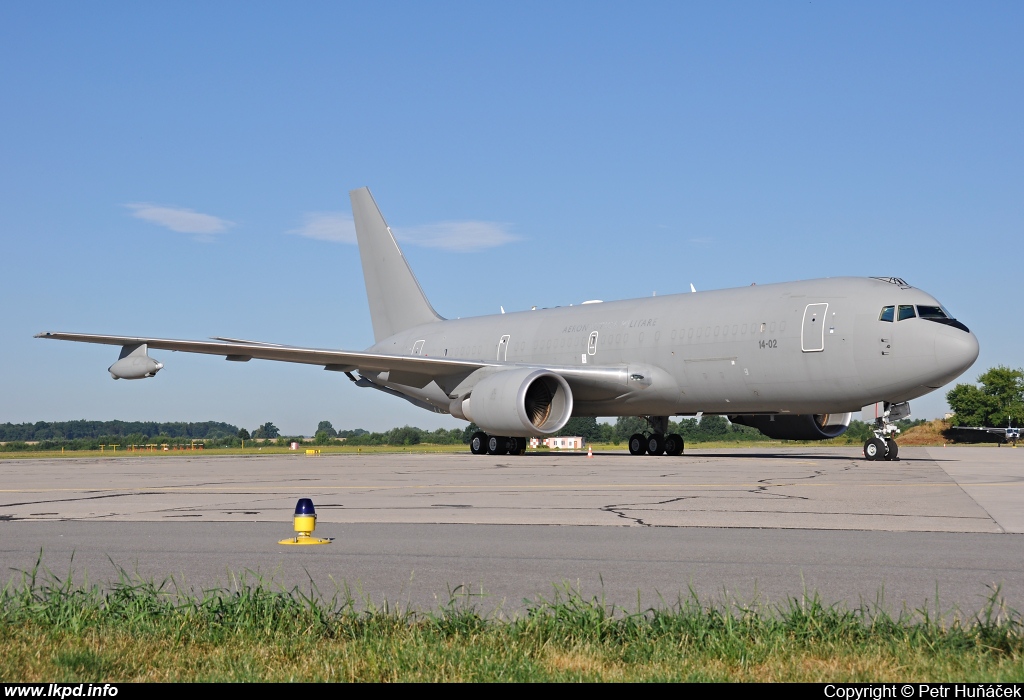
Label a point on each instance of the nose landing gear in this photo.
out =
(883, 444)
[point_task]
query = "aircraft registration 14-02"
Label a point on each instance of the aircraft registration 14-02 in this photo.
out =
(793, 360)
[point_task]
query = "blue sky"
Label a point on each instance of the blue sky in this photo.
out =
(181, 170)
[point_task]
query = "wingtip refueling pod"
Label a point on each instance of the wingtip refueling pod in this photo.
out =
(134, 363)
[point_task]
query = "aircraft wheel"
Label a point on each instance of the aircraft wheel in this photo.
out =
(478, 443)
(637, 445)
(892, 450)
(656, 444)
(516, 445)
(674, 445)
(497, 445)
(874, 449)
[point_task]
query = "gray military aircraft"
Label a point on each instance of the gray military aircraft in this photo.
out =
(793, 360)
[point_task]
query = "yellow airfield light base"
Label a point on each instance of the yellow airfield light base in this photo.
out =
(304, 538)
(305, 523)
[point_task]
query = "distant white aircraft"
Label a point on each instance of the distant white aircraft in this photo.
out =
(794, 360)
(964, 433)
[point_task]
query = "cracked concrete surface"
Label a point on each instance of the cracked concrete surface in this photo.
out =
(743, 525)
(931, 489)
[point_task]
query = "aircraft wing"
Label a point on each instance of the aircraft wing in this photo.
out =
(410, 370)
(588, 383)
(244, 350)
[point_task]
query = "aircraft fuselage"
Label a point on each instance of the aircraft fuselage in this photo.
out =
(815, 346)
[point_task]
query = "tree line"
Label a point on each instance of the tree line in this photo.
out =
(997, 403)
(84, 429)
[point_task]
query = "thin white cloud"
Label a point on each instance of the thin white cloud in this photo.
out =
(335, 226)
(181, 220)
(459, 236)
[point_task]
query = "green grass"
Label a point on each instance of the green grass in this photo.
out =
(54, 629)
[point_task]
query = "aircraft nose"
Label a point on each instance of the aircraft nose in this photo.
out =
(955, 351)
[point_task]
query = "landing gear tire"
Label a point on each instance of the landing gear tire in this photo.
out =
(516, 445)
(874, 449)
(497, 445)
(674, 445)
(478, 444)
(637, 445)
(892, 450)
(656, 444)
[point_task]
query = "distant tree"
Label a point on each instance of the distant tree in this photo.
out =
(326, 427)
(584, 426)
(406, 435)
(999, 399)
(322, 437)
(467, 433)
(714, 426)
(859, 431)
(267, 431)
(626, 426)
(352, 433)
(244, 434)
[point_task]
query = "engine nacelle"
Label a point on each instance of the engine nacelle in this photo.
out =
(134, 363)
(518, 403)
(800, 427)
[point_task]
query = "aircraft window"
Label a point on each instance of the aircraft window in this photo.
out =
(625, 338)
(905, 312)
(716, 331)
(698, 332)
(657, 336)
(931, 312)
(887, 314)
(782, 326)
(707, 332)
(689, 333)
(734, 330)
(743, 329)
(763, 327)
(673, 334)
(773, 327)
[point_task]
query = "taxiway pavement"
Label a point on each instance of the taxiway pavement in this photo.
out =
(741, 525)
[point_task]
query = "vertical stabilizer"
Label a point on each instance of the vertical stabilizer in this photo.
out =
(396, 300)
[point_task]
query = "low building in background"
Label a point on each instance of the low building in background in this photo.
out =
(559, 443)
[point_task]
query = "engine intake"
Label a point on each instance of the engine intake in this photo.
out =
(822, 426)
(518, 403)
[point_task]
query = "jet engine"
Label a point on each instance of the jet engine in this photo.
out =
(134, 363)
(800, 427)
(518, 402)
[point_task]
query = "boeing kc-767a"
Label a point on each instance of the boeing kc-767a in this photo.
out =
(793, 360)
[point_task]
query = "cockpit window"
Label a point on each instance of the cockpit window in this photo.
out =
(940, 315)
(905, 312)
(931, 312)
(887, 314)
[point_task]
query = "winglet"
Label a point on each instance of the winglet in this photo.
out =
(397, 301)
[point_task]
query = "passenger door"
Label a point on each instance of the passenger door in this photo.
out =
(812, 334)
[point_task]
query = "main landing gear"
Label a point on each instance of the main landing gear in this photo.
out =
(883, 444)
(656, 443)
(484, 444)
